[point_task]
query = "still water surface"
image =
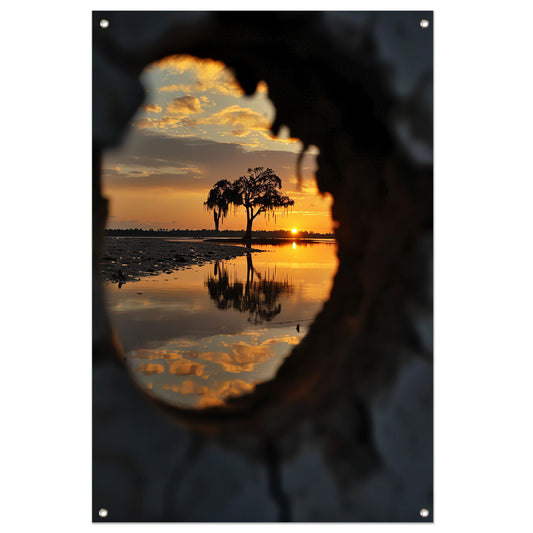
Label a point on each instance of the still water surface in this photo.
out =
(196, 336)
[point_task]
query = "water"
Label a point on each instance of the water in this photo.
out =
(196, 336)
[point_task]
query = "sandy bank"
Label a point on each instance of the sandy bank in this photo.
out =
(127, 259)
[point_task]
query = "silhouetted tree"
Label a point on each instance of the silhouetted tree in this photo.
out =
(259, 192)
(221, 195)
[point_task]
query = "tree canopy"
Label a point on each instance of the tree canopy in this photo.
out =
(220, 197)
(258, 191)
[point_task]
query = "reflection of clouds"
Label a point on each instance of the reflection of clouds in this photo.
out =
(182, 343)
(185, 351)
(210, 396)
(288, 339)
(209, 382)
(244, 356)
(239, 362)
(153, 354)
(187, 387)
(185, 368)
(149, 369)
(225, 390)
(177, 364)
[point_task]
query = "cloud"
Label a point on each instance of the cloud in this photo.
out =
(146, 122)
(185, 105)
(152, 108)
(177, 114)
(164, 123)
(209, 75)
(267, 134)
(244, 121)
(239, 133)
(241, 118)
(262, 87)
(182, 87)
(170, 181)
(189, 163)
(111, 171)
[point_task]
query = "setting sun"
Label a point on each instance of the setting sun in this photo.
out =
(294, 231)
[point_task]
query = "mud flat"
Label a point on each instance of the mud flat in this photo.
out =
(127, 259)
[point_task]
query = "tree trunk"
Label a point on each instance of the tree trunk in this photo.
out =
(248, 236)
(216, 217)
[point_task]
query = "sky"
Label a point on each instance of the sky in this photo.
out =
(195, 128)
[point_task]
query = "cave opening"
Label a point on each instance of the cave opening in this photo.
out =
(202, 313)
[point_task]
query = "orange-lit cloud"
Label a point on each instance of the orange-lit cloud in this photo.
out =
(163, 123)
(211, 75)
(270, 136)
(152, 108)
(181, 87)
(244, 121)
(184, 105)
(178, 113)
(238, 117)
(262, 87)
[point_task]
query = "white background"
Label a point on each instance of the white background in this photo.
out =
(483, 267)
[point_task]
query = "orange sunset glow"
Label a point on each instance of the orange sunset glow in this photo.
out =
(195, 128)
(202, 352)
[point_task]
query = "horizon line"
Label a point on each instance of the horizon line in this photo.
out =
(219, 231)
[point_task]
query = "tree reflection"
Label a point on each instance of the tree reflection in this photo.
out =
(258, 297)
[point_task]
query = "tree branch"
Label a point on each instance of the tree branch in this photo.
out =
(260, 210)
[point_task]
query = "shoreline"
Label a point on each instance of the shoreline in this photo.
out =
(127, 259)
(273, 240)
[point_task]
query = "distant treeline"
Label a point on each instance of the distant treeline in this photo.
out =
(200, 233)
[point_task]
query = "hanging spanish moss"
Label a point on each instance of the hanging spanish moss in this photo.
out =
(258, 191)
